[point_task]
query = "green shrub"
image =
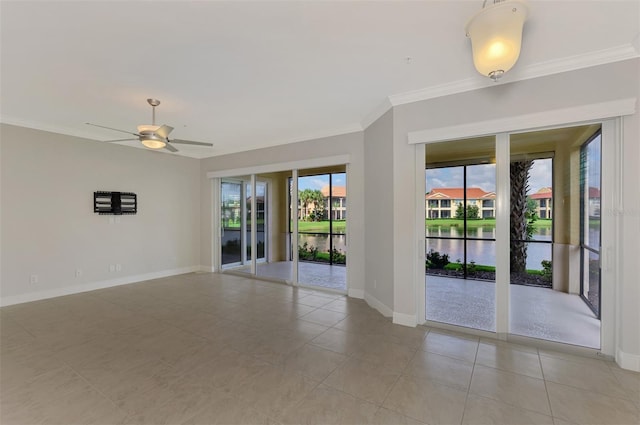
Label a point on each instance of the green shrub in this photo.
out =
(435, 260)
(547, 270)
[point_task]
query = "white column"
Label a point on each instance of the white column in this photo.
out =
(254, 230)
(216, 225)
(611, 211)
(419, 271)
(503, 266)
(294, 226)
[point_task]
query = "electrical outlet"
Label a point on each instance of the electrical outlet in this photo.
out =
(33, 279)
(112, 268)
(78, 272)
(118, 267)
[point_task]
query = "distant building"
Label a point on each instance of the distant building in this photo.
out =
(593, 202)
(443, 202)
(339, 200)
(543, 199)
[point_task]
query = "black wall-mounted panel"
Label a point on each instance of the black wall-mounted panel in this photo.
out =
(115, 203)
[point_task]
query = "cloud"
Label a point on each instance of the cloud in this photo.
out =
(540, 174)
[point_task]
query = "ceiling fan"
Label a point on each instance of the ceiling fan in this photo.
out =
(153, 136)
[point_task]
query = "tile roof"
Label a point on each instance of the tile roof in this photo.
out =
(458, 193)
(338, 191)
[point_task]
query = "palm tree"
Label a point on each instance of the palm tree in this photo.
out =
(304, 198)
(519, 221)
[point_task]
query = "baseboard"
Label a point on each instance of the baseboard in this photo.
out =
(92, 286)
(378, 305)
(207, 269)
(628, 361)
(356, 293)
(405, 319)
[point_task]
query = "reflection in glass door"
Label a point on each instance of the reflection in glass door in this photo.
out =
(231, 241)
(590, 283)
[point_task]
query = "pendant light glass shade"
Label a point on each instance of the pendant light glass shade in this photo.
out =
(496, 37)
(153, 143)
(149, 138)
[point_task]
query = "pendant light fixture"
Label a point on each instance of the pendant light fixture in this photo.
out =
(496, 36)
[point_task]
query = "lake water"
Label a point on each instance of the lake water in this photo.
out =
(481, 252)
(484, 252)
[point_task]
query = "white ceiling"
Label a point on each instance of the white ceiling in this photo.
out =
(244, 75)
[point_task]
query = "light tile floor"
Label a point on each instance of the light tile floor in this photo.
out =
(221, 349)
(309, 273)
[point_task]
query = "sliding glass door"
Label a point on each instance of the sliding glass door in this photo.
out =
(515, 247)
(236, 227)
(232, 238)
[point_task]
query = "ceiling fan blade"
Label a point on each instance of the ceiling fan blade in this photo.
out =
(114, 129)
(170, 148)
(119, 140)
(164, 131)
(190, 142)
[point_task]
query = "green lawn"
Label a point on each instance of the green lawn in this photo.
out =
(304, 226)
(448, 222)
(322, 226)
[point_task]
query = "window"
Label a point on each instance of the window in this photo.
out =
(433, 203)
(487, 203)
(543, 203)
(445, 203)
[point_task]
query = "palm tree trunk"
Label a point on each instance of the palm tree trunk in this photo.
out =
(519, 186)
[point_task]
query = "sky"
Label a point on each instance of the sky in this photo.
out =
(321, 180)
(484, 176)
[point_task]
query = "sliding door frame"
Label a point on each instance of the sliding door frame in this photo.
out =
(216, 178)
(611, 125)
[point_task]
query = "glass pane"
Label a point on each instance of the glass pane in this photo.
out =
(443, 199)
(460, 290)
(339, 254)
(481, 260)
(261, 217)
(313, 247)
(591, 194)
(591, 289)
(231, 240)
(339, 203)
(481, 196)
(248, 218)
(451, 299)
(539, 211)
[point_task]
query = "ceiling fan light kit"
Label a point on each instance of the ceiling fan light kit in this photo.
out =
(154, 136)
(496, 36)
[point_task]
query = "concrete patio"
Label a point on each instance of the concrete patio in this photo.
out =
(534, 312)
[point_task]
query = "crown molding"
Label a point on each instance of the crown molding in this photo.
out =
(539, 120)
(376, 113)
(556, 66)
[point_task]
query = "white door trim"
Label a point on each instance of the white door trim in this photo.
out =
(527, 122)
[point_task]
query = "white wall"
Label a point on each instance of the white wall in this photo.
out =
(346, 144)
(49, 227)
(379, 218)
(571, 89)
